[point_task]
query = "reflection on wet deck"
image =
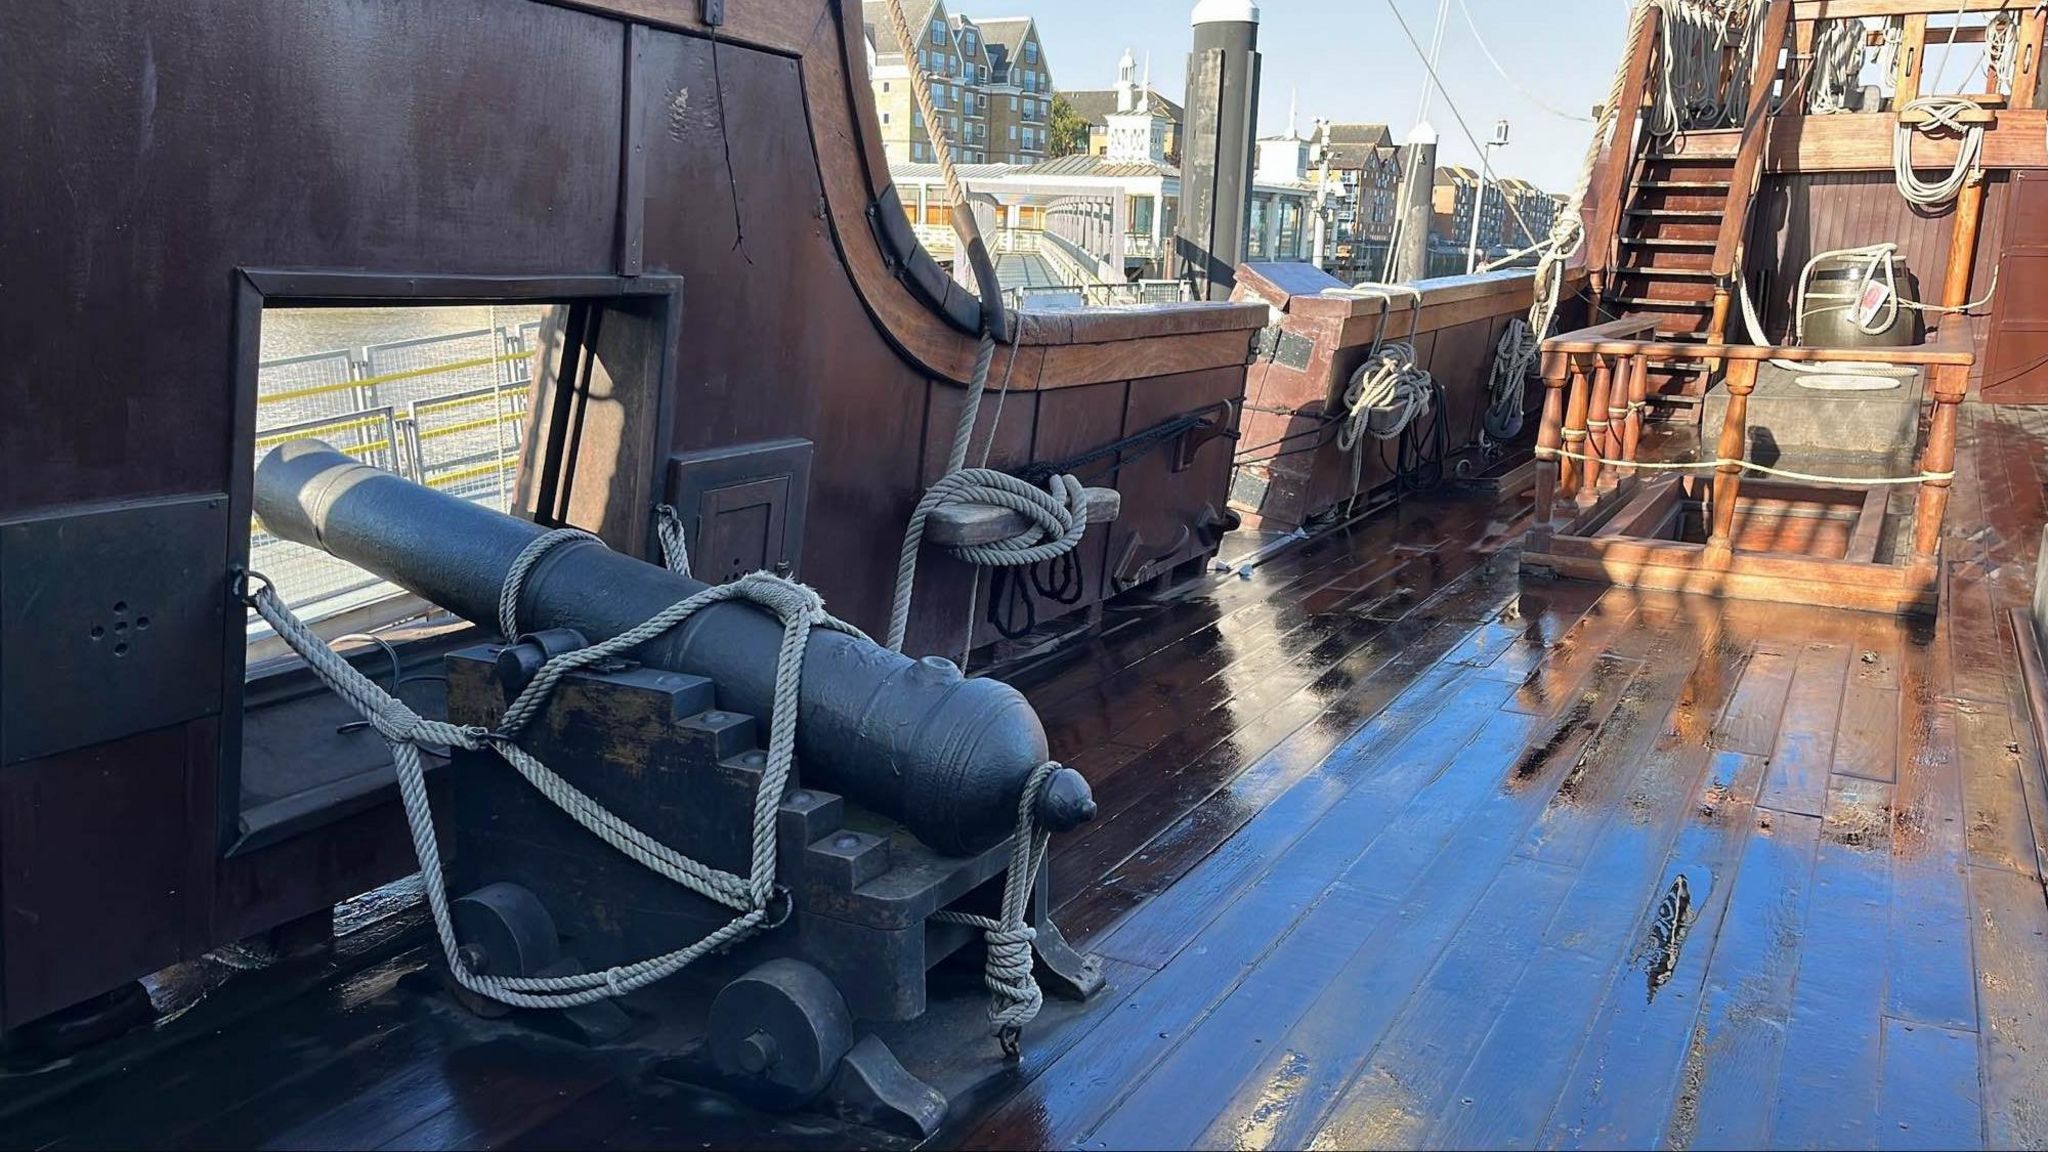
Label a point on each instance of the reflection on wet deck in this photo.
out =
(1399, 848)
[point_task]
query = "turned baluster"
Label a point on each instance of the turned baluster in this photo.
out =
(1549, 435)
(1596, 430)
(1938, 459)
(1638, 391)
(1732, 451)
(1574, 434)
(1617, 418)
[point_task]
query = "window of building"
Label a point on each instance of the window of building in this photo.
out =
(1013, 103)
(885, 119)
(1013, 133)
(938, 31)
(885, 85)
(1031, 51)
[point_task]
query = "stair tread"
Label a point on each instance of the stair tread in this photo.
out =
(1663, 242)
(1676, 213)
(1693, 185)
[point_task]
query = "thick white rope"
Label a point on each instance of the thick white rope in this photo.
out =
(1944, 116)
(1694, 90)
(1014, 995)
(675, 548)
(1543, 453)
(1058, 519)
(1386, 394)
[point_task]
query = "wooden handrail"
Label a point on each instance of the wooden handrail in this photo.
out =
(1605, 190)
(1755, 134)
(1950, 349)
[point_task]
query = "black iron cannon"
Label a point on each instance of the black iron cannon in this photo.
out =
(912, 740)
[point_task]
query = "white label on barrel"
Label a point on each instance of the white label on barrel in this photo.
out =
(1867, 305)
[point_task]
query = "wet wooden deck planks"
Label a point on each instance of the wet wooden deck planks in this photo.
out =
(1400, 849)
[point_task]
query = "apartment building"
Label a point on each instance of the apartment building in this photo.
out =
(1364, 159)
(1537, 210)
(1455, 196)
(989, 82)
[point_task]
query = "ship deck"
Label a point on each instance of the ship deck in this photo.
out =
(1397, 847)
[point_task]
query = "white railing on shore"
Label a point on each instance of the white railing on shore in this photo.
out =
(445, 411)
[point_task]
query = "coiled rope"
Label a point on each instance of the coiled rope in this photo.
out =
(1695, 90)
(1014, 995)
(1057, 513)
(1944, 115)
(1387, 393)
(750, 896)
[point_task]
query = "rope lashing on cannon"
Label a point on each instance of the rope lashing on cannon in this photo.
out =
(750, 896)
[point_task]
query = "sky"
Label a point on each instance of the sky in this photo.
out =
(1347, 60)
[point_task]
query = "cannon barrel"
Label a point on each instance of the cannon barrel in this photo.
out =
(911, 739)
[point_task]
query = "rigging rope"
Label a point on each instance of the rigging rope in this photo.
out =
(1508, 393)
(1837, 67)
(1531, 97)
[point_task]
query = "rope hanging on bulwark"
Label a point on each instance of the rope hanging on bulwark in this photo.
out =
(1944, 115)
(1056, 513)
(1057, 518)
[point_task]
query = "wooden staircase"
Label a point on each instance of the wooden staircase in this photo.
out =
(1669, 241)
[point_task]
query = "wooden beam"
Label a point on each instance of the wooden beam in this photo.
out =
(1610, 173)
(1843, 9)
(1938, 459)
(1962, 249)
(2026, 85)
(1949, 347)
(1912, 58)
(1733, 449)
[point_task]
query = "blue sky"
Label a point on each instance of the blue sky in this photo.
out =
(1349, 61)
